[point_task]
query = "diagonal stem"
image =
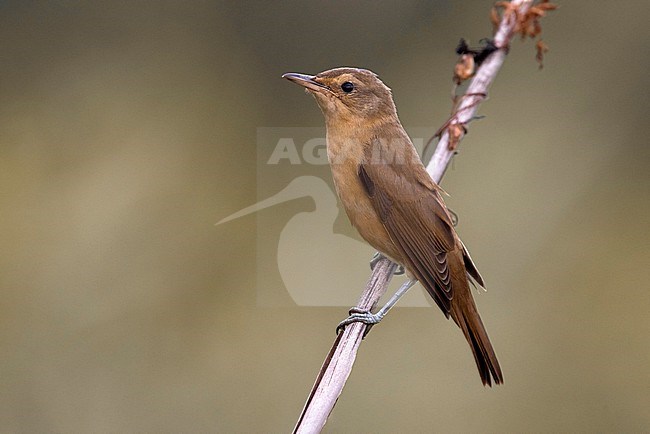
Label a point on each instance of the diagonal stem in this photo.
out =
(338, 364)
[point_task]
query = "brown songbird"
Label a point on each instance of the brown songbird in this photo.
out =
(392, 201)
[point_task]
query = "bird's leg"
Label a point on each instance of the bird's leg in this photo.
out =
(378, 257)
(357, 315)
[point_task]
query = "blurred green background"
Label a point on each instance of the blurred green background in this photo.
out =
(127, 129)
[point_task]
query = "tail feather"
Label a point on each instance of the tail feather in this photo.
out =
(469, 321)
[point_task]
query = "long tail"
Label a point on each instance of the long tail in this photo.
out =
(466, 316)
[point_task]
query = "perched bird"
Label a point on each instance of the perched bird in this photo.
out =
(392, 201)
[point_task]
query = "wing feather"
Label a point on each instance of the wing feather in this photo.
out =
(418, 224)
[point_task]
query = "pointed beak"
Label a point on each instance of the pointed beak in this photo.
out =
(307, 81)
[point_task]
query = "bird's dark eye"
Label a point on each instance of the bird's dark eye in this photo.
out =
(347, 87)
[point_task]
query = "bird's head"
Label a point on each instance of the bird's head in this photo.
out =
(348, 94)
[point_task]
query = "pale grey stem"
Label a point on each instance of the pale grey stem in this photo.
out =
(338, 365)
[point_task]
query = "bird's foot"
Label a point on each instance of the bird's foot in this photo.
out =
(359, 315)
(375, 259)
(364, 316)
(378, 257)
(454, 217)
